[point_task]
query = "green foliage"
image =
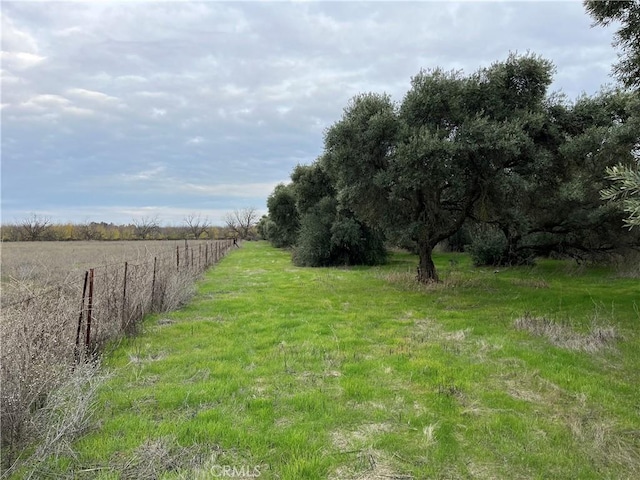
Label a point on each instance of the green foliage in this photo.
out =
(488, 248)
(552, 204)
(626, 189)
(332, 236)
(627, 37)
(307, 215)
(419, 171)
(491, 148)
(314, 246)
(284, 221)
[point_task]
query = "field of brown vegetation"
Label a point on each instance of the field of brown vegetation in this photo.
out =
(64, 302)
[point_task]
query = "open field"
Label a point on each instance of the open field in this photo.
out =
(55, 262)
(62, 303)
(297, 373)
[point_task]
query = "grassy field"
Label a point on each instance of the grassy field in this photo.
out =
(358, 373)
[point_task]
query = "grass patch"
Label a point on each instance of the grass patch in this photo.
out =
(359, 373)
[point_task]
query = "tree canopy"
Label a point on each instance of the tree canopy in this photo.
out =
(491, 152)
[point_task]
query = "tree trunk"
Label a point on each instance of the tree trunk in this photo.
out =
(426, 269)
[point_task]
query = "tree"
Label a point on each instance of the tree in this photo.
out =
(627, 37)
(197, 225)
(552, 204)
(284, 220)
(330, 233)
(146, 227)
(34, 227)
(626, 189)
(89, 230)
(240, 222)
(419, 171)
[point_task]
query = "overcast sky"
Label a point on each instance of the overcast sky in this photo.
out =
(112, 111)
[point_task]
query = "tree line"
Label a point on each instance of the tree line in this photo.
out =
(240, 223)
(491, 162)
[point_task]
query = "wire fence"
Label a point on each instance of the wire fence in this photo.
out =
(45, 333)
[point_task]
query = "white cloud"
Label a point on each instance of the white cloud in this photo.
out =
(20, 60)
(46, 101)
(210, 104)
(92, 95)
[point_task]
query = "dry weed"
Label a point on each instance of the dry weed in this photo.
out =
(44, 328)
(65, 415)
(564, 336)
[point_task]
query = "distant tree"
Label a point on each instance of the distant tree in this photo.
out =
(241, 221)
(197, 225)
(627, 37)
(146, 227)
(283, 223)
(89, 230)
(34, 227)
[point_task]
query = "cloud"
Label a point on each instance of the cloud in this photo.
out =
(208, 105)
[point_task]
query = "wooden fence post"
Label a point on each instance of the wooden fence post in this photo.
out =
(177, 257)
(89, 310)
(153, 282)
(124, 298)
(84, 294)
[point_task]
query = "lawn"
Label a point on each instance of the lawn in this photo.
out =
(280, 372)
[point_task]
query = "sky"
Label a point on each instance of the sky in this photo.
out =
(114, 111)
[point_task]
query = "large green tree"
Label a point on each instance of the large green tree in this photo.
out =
(625, 177)
(552, 203)
(419, 170)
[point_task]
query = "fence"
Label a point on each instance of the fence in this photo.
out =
(45, 334)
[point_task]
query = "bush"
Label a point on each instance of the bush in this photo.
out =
(488, 248)
(331, 237)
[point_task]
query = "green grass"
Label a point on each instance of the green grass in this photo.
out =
(299, 373)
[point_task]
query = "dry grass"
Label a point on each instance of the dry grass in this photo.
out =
(156, 457)
(564, 336)
(64, 415)
(368, 463)
(43, 325)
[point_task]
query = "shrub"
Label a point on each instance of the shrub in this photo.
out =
(488, 248)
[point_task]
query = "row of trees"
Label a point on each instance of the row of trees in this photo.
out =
(491, 152)
(238, 224)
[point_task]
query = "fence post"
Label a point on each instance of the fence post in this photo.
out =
(84, 293)
(124, 298)
(89, 310)
(153, 282)
(206, 254)
(177, 257)
(186, 254)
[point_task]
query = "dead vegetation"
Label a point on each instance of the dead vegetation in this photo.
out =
(564, 336)
(49, 332)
